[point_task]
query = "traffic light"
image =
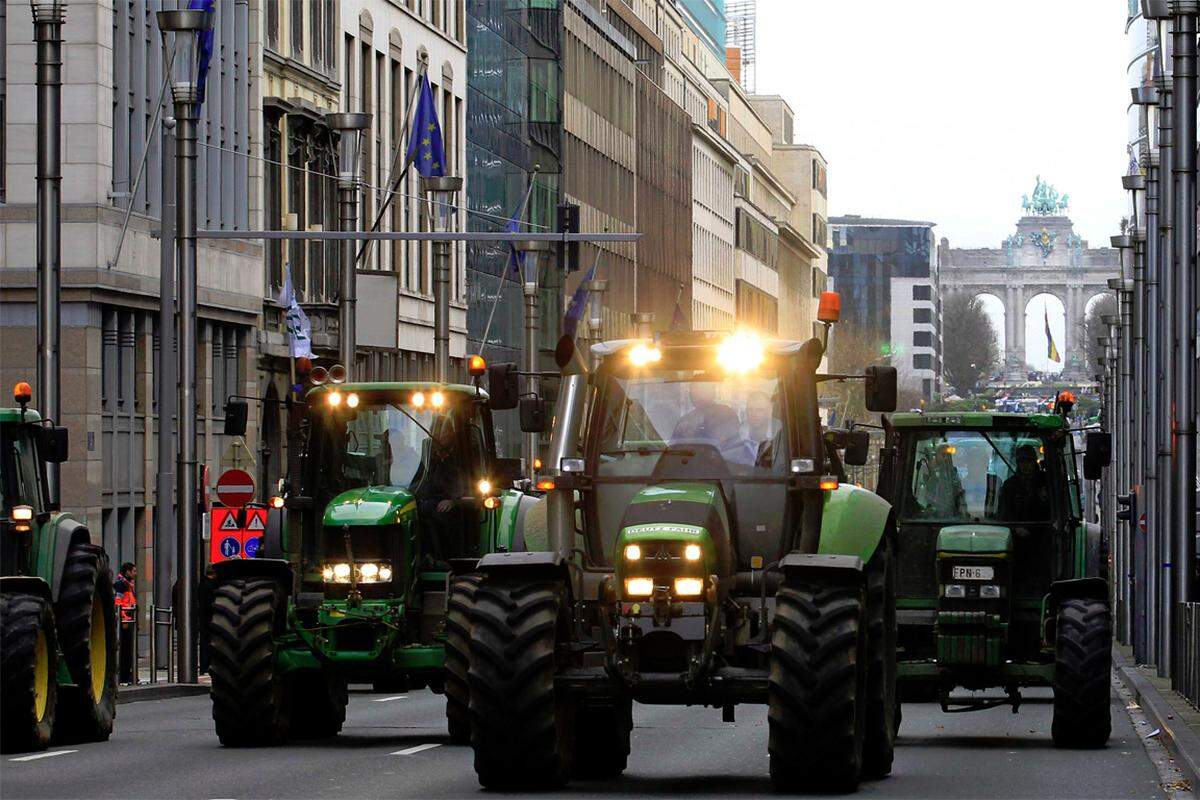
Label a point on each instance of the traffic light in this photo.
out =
(1124, 507)
(568, 222)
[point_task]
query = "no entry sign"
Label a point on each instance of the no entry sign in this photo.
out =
(235, 488)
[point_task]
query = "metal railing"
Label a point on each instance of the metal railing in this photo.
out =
(162, 618)
(1188, 680)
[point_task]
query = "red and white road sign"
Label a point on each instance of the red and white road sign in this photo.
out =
(235, 488)
(1142, 522)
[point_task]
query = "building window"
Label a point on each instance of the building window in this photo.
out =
(922, 339)
(922, 292)
(820, 231)
(818, 176)
(922, 315)
(296, 12)
(273, 24)
(316, 30)
(922, 361)
(927, 389)
(757, 239)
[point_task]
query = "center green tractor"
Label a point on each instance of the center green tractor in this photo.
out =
(1001, 583)
(58, 640)
(365, 572)
(702, 551)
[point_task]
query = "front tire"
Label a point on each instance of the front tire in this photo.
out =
(520, 725)
(818, 676)
(1082, 667)
(28, 673)
(87, 631)
(249, 696)
(459, 603)
(882, 706)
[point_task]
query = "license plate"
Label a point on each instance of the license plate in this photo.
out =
(974, 573)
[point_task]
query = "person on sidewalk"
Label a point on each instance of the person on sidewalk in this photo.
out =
(125, 594)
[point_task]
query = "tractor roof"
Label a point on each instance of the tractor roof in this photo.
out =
(471, 392)
(978, 419)
(12, 415)
(714, 339)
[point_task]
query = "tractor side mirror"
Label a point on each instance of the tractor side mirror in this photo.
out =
(503, 390)
(858, 448)
(534, 414)
(508, 471)
(1098, 455)
(236, 412)
(880, 389)
(53, 444)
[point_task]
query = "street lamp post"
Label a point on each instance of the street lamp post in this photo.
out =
(183, 27)
(596, 289)
(349, 127)
(48, 20)
(441, 192)
(533, 253)
(1120, 464)
(1165, 340)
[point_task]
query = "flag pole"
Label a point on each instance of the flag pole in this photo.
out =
(483, 344)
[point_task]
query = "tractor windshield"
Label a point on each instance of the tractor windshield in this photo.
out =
(20, 474)
(713, 427)
(978, 476)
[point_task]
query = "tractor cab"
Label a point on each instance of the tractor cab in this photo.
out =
(992, 545)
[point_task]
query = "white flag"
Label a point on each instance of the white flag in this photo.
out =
(299, 329)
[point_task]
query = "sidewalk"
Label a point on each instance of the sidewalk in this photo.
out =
(144, 690)
(1178, 720)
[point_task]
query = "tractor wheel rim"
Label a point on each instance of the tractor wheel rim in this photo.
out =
(98, 651)
(41, 676)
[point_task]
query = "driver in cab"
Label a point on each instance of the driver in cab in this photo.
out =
(1026, 493)
(714, 422)
(439, 492)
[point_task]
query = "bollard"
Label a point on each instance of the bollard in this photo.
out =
(153, 636)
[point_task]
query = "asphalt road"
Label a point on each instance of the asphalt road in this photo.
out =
(394, 746)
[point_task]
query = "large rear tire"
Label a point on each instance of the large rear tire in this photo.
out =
(87, 632)
(458, 657)
(28, 673)
(249, 696)
(882, 720)
(602, 739)
(317, 699)
(818, 677)
(1082, 679)
(521, 727)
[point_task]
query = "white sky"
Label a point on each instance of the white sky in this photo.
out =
(946, 110)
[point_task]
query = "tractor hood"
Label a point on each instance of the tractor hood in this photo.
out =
(689, 512)
(371, 505)
(982, 539)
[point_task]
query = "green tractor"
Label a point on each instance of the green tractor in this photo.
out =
(367, 567)
(58, 636)
(701, 551)
(1001, 583)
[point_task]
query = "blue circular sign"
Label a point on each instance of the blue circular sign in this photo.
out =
(252, 546)
(230, 547)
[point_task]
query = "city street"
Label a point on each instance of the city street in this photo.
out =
(395, 746)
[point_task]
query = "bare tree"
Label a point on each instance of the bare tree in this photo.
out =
(849, 353)
(970, 352)
(1092, 328)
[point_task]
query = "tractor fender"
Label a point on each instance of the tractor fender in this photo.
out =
(272, 538)
(1078, 588)
(853, 522)
(26, 584)
(276, 568)
(523, 524)
(834, 567)
(542, 564)
(63, 530)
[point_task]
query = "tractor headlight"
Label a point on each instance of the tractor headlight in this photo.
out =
(633, 552)
(369, 572)
(385, 573)
(22, 513)
(689, 587)
(955, 590)
(639, 587)
(341, 572)
(989, 591)
(484, 487)
(352, 401)
(693, 552)
(642, 354)
(335, 398)
(741, 352)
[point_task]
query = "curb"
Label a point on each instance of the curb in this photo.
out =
(158, 691)
(1183, 743)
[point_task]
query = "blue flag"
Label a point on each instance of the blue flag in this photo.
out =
(204, 44)
(425, 146)
(577, 304)
(515, 256)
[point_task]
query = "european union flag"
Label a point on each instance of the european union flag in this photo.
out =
(204, 46)
(578, 303)
(515, 256)
(425, 146)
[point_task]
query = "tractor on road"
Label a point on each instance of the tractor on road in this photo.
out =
(1001, 583)
(702, 551)
(58, 641)
(367, 565)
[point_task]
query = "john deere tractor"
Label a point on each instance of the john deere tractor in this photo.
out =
(1001, 583)
(58, 643)
(702, 551)
(368, 564)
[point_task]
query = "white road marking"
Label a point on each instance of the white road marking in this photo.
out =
(386, 699)
(414, 750)
(47, 754)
